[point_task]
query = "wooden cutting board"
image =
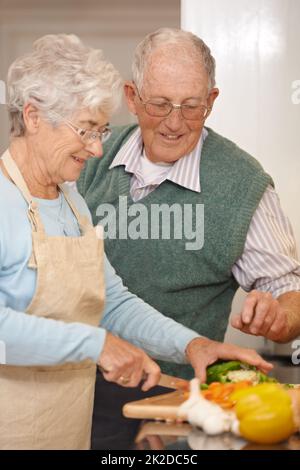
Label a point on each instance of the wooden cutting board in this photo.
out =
(161, 407)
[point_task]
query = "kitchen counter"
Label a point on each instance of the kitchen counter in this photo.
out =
(167, 436)
(159, 435)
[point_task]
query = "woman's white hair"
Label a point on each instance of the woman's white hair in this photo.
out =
(164, 36)
(61, 76)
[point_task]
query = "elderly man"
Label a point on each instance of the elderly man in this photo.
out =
(170, 160)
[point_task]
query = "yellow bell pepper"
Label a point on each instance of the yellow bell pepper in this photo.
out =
(264, 413)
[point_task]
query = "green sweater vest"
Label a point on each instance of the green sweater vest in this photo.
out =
(195, 288)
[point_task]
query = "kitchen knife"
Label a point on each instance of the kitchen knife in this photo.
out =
(173, 382)
(168, 381)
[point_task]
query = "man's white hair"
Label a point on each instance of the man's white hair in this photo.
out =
(197, 49)
(61, 76)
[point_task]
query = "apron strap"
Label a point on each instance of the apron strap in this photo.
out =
(83, 221)
(33, 212)
(17, 177)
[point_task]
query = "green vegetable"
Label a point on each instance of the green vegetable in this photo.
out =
(289, 386)
(218, 372)
(204, 386)
(265, 378)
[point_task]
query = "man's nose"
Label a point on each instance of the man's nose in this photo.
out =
(95, 148)
(174, 119)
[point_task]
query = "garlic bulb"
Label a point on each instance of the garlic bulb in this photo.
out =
(209, 416)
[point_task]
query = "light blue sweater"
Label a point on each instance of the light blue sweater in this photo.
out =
(31, 340)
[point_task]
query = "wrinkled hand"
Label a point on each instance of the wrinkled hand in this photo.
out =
(126, 365)
(262, 315)
(202, 352)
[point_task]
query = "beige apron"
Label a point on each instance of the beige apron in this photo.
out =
(51, 407)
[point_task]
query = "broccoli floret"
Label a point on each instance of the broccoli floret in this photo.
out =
(218, 371)
(221, 372)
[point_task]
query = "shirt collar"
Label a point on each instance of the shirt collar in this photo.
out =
(185, 171)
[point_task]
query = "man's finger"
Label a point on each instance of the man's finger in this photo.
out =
(269, 319)
(236, 322)
(248, 311)
(265, 310)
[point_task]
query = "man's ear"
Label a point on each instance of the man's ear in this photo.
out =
(213, 94)
(130, 94)
(31, 118)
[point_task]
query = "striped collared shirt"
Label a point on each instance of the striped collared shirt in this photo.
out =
(184, 172)
(269, 261)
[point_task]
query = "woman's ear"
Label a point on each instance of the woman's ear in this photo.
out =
(130, 94)
(31, 118)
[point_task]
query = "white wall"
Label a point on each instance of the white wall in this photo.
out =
(256, 46)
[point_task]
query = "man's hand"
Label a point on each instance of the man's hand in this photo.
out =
(127, 365)
(262, 315)
(202, 352)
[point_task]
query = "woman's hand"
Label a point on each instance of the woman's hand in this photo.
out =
(202, 352)
(127, 365)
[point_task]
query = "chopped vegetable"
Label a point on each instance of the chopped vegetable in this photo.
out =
(239, 375)
(221, 393)
(235, 371)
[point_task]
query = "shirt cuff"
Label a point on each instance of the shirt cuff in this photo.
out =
(95, 343)
(181, 344)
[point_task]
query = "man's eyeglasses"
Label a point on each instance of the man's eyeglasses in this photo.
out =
(159, 107)
(88, 136)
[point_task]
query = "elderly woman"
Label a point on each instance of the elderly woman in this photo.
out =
(53, 273)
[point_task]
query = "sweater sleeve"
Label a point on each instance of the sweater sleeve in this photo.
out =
(269, 261)
(28, 340)
(129, 317)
